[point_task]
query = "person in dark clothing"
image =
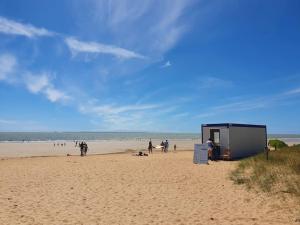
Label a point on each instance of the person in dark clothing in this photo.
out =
(85, 148)
(150, 147)
(81, 146)
(162, 144)
(166, 146)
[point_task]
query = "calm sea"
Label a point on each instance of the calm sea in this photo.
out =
(53, 136)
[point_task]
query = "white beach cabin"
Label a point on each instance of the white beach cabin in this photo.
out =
(235, 141)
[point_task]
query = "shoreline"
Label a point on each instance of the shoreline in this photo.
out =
(96, 147)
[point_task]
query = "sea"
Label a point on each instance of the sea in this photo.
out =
(94, 136)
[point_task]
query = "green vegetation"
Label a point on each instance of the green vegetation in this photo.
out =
(277, 144)
(279, 174)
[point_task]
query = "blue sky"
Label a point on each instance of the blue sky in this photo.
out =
(165, 66)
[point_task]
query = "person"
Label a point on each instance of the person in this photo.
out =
(166, 146)
(150, 147)
(85, 148)
(175, 148)
(81, 145)
(210, 146)
(162, 144)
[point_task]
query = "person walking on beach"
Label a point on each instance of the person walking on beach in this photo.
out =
(150, 147)
(166, 146)
(175, 148)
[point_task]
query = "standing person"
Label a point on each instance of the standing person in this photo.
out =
(162, 144)
(166, 146)
(81, 145)
(150, 146)
(175, 148)
(210, 146)
(85, 148)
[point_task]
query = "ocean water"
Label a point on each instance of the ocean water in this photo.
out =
(90, 136)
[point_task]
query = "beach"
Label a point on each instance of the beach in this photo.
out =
(126, 189)
(57, 148)
(67, 147)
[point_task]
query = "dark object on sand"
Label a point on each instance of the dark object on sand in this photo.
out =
(141, 154)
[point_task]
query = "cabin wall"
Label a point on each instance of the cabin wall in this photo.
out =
(246, 141)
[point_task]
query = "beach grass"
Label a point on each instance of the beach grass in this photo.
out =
(279, 174)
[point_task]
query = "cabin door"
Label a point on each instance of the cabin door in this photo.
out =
(215, 136)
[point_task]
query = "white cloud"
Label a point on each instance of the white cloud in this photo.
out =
(36, 83)
(15, 28)
(41, 83)
(94, 47)
(7, 65)
(55, 95)
(166, 64)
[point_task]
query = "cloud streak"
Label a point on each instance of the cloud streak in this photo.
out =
(35, 83)
(7, 65)
(98, 48)
(41, 84)
(15, 28)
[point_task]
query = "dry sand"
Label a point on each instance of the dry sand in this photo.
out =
(126, 189)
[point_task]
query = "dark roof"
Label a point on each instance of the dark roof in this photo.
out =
(232, 125)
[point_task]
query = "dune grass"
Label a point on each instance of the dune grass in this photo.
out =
(279, 174)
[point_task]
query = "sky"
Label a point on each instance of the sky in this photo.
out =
(151, 65)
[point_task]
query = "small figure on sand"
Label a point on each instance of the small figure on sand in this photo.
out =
(166, 146)
(83, 148)
(162, 144)
(175, 148)
(150, 146)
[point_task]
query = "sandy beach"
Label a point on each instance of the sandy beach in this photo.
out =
(126, 189)
(47, 148)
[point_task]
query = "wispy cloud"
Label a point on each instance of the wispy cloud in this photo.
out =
(16, 28)
(120, 117)
(111, 109)
(7, 65)
(99, 48)
(250, 104)
(154, 28)
(213, 82)
(41, 83)
(35, 83)
(166, 64)
(5, 121)
(293, 91)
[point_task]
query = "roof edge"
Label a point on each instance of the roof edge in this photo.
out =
(232, 125)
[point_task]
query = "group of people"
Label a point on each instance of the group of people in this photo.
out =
(83, 148)
(164, 145)
(59, 144)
